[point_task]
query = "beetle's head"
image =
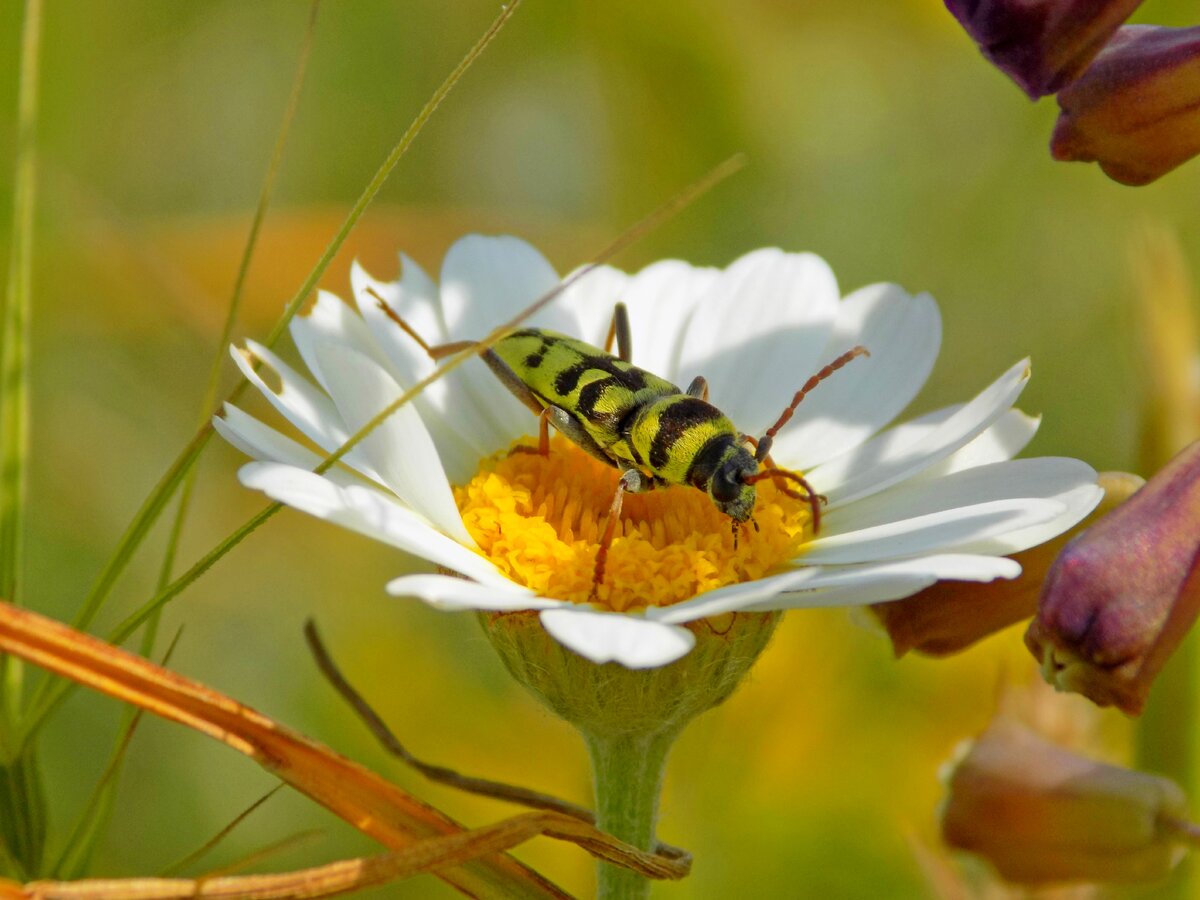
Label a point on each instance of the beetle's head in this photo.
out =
(728, 486)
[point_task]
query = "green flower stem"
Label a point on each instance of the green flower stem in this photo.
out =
(628, 774)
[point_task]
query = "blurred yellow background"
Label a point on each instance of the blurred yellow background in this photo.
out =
(877, 137)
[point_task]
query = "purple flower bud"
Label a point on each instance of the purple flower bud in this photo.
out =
(1136, 110)
(1121, 596)
(1041, 44)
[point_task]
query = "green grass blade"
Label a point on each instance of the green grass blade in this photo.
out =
(14, 353)
(212, 843)
(235, 300)
(166, 486)
(76, 855)
(45, 705)
(14, 327)
(22, 802)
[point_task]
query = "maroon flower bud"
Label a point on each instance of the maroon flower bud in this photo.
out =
(1042, 45)
(1134, 111)
(1122, 595)
(1041, 813)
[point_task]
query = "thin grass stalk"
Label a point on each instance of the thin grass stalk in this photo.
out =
(77, 851)
(161, 494)
(212, 843)
(49, 700)
(22, 799)
(164, 489)
(235, 302)
(14, 354)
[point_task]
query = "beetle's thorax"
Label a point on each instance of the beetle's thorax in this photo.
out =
(681, 439)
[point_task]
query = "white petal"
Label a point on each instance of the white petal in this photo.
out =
(887, 445)
(1002, 441)
(955, 432)
(758, 331)
(852, 596)
(297, 400)
(264, 443)
(330, 321)
(400, 448)
(591, 301)
(1046, 478)
(260, 441)
(445, 405)
(970, 529)
(903, 334)
(448, 593)
(853, 584)
(632, 641)
(368, 511)
(485, 282)
(1077, 503)
(662, 299)
(880, 588)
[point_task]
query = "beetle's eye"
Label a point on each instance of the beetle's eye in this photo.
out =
(726, 485)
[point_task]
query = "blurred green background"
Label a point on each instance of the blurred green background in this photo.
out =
(877, 137)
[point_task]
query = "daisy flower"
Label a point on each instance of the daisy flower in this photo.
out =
(938, 497)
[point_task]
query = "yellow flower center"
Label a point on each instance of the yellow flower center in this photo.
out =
(540, 520)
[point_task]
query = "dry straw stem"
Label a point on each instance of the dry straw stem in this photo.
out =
(352, 874)
(484, 787)
(369, 803)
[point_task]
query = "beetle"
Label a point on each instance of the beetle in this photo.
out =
(643, 425)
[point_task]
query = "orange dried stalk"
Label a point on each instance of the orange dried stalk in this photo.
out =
(471, 861)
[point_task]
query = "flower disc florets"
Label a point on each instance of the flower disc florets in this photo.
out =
(539, 520)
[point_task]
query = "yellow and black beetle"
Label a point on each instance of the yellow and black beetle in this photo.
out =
(635, 421)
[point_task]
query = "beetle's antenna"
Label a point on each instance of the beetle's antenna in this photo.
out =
(436, 352)
(812, 497)
(768, 438)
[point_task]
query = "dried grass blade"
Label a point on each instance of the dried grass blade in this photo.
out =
(359, 796)
(355, 874)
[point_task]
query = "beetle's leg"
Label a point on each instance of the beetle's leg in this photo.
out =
(768, 438)
(619, 329)
(634, 482)
(577, 434)
(510, 380)
(543, 447)
(698, 388)
(435, 351)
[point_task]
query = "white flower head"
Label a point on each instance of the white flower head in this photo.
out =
(938, 497)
